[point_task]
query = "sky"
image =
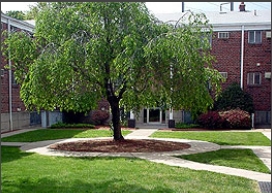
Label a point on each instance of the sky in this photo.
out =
(165, 7)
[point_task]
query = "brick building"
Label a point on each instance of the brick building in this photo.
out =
(13, 114)
(241, 43)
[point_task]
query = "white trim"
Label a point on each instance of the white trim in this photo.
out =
(242, 56)
(17, 23)
(153, 122)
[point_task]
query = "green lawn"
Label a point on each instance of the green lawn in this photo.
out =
(51, 134)
(30, 172)
(219, 137)
(236, 158)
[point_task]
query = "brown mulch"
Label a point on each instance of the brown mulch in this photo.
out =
(127, 145)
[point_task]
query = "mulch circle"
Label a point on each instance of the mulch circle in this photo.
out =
(127, 145)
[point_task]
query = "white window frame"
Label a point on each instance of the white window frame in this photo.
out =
(255, 37)
(209, 39)
(224, 74)
(2, 72)
(223, 35)
(254, 78)
(14, 82)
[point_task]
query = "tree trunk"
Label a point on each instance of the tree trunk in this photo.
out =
(117, 133)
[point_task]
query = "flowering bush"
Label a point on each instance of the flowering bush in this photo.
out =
(231, 119)
(99, 117)
(211, 120)
(236, 118)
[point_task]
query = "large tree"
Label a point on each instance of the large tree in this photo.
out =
(84, 51)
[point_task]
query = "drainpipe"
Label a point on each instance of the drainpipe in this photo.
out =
(10, 88)
(242, 56)
(171, 121)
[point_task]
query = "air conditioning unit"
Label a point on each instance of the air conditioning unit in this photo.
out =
(223, 35)
(268, 34)
(267, 75)
(224, 74)
(2, 73)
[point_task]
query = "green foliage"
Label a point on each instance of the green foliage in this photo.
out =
(234, 97)
(20, 15)
(75, 125)
(35, 9)
(180, 125)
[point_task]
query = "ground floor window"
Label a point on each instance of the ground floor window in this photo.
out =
(254, 78)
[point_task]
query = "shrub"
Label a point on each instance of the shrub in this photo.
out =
(231, 119)
(234, 97)
(236, 118)
(211, 120)
(99, 117)
(75, 125)
(180, 125)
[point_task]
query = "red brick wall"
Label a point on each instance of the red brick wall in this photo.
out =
(16, 101)
(228, 59)
(259, 53)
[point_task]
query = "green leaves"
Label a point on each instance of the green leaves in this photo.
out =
(88, 50)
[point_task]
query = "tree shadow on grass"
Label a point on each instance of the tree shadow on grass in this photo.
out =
(45, 185)
(9, 154)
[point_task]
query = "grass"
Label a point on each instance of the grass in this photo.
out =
(219, 137)
(29, 172)
(51, 134)
(235, 158)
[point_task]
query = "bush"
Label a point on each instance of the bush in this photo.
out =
(211, 120)
(231, 119)
(236, 118)
(99, 117)
(180, 125)
(234, 97)
(75, 125)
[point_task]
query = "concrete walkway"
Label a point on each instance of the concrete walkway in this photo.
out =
(263, 152)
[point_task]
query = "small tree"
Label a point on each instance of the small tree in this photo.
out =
(234, 97)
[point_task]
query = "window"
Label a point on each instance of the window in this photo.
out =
(255, 37)
(2, 73)
(224, 74)
(206, 38)
(254, 78)
(223, 35)
(13, 80)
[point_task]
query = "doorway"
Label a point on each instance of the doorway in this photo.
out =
(154, 116)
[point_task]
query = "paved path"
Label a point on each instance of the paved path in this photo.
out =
(263, 152)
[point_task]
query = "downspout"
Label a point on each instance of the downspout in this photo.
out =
(242, 57)
(10, 88)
